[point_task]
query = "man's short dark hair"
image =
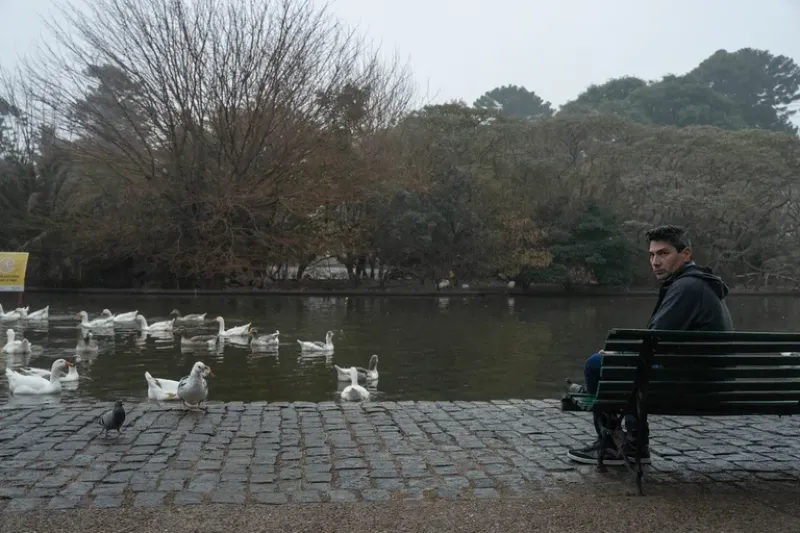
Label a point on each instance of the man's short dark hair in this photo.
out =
(673, 235)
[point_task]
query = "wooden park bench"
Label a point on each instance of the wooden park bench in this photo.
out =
(699, 373)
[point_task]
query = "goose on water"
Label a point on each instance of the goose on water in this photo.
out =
(354, 392)
(368, 374)
(191, 317)
(71, 375)
(15, 346)
(238, 331)
(97, 323)
(9, 316)
(264, 341)
(121, 318)
(316, 346)
(87, 344)
(196, 340)
(36, 385)
(41, 314)
(164, 325)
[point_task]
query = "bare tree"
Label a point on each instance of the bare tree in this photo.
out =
(198, 124)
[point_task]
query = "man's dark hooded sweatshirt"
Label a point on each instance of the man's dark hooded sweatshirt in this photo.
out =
(692, 299)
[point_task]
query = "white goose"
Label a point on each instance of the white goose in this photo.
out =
(41, 314)
(198, 340)
(87, 344)
(121, 318)
(14, 346)
(22, 384)
(97, 323)
(354, 391)
(316, 346)
(164, 325)
(369, 374)
(238, 331)
(193, 389)
(10, 316)
(191, 317)
(71, 376)
(264, 341)
(164, 389)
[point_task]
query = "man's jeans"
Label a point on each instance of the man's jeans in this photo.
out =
(591, 373)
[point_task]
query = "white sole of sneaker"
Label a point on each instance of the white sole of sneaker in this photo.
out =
(607, 462)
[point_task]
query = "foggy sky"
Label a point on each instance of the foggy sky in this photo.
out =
(458, 49)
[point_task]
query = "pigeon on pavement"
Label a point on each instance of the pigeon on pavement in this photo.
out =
(113, 419)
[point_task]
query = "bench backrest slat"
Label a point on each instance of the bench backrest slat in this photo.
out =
(705, 360)
(614, 373)
(704, 336)
(704, 347)
(694, 387)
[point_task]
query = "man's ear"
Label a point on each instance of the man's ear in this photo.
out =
(687, 253)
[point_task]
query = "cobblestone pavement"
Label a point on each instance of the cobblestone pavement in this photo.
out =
(57, 458)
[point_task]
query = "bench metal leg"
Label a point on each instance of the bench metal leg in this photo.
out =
(612, 432)
(639, 471)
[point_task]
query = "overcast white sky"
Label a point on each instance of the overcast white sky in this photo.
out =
(462, 48)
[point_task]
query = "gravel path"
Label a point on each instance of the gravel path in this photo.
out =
(561, 511)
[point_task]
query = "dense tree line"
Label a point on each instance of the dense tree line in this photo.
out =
(189, 144)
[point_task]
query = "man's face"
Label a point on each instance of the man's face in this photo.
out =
(665, 260)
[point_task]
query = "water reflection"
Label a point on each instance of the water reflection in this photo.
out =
(371, 386)
(438, 348)
(24, 400)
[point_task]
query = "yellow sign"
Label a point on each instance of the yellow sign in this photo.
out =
(13, 266)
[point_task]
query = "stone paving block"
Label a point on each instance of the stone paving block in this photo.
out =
(309, 452)
(149, 499)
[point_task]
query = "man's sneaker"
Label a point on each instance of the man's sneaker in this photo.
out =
(589, 454)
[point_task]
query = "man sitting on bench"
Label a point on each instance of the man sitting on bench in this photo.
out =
(690, 298)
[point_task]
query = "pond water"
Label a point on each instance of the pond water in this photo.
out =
(430, 348)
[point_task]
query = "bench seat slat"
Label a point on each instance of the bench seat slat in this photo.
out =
(705, 398)
(680, 387)
(705, 348)
(720, 409)
(706, 360)
(707, 374)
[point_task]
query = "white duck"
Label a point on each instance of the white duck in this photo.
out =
(41, 314)
(72, 375)
(238, 331)
(121, 318)
(164, 325)
(14, 346)
(191, 317)
(369, 374)
(10, 316)
(97, 323)
(198, 340)
(193, 389)
(87, 344)
(316, 346)
(354, 391)
(22, 384)
(264, 341)
(164, 389)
